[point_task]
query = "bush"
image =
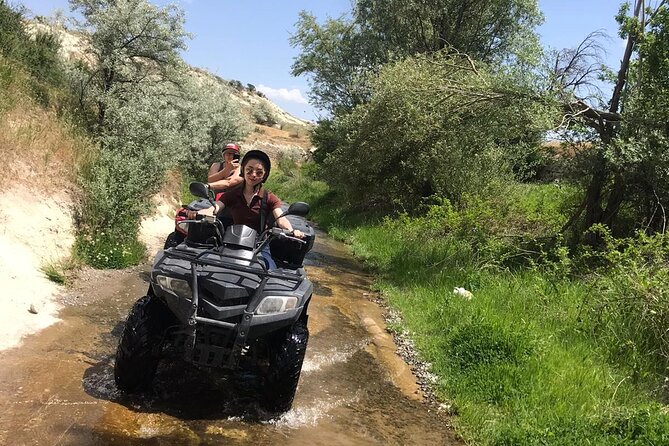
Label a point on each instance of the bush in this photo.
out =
(433, 127)
(39, 55)
(263, 114)
(629, 307)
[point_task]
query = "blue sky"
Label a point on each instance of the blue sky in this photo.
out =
(248, 40)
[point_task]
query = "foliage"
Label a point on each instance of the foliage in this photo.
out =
(639, 153)
(343, 55)
(630, 300)
(427, 119)
(532, 358)
(263, 114)
(624, 169)
(207, 120)
(38, 55)
(150, 116)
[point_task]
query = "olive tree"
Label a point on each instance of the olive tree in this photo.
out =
(150, 115)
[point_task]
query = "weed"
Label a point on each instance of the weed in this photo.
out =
(54, 273)
(60, 271)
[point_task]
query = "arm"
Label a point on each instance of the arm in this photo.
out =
(211, 210)
(215, 172)
(284, 223)
(228, 182)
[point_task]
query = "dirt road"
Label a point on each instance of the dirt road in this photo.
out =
(57, 388)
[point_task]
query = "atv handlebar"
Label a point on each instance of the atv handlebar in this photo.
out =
(284, 233)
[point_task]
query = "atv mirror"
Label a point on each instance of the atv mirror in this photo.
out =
(298, 208)
(199, 189)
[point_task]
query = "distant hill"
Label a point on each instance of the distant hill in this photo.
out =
(286, 132)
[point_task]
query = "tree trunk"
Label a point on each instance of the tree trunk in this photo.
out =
(595, 194)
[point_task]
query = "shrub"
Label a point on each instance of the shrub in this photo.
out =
(433, 126)
(263, 114)
(629, 307)
(39, 55)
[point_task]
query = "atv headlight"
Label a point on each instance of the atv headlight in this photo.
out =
(276, 304)
(178, 286)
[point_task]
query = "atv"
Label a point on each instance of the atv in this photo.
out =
(181, 229)
(212, 302)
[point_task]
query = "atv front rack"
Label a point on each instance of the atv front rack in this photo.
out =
(240, 330)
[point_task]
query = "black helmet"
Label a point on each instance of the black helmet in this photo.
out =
(260, 156)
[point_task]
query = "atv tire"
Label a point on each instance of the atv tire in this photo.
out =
(285, 364)
(174, 239)
(139, 348)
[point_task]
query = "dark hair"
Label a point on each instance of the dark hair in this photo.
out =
(260, 156)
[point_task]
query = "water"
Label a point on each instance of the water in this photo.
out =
(58, 387)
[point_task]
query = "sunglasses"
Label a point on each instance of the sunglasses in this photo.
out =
(251, 170)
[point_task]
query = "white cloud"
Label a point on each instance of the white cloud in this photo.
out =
(294, 95)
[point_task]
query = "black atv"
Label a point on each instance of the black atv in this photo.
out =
(181, 229)
(213, 302)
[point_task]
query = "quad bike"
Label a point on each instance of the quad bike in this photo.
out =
(181, 229)
(213, 302)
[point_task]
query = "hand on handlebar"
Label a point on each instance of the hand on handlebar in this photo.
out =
(285, 233)
(299, 234)
(193, 214)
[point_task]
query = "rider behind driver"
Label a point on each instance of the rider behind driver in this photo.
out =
(225, 175)
(245, 202)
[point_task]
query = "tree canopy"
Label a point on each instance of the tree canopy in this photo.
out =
(343, 54)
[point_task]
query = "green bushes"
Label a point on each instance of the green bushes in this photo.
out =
(148, 115)
(38, 56)
(629, 306)
(434, 126)
(263, 114)
(553, 348)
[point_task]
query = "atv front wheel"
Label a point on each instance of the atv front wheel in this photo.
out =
(285, 364)
(138, 351)
(173, 239)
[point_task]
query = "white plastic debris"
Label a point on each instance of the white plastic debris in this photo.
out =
(459, 291)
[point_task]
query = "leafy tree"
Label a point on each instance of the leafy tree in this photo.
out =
(435, 125)
(625, 184)
(132, 43)
(150, 115)
(342, 55)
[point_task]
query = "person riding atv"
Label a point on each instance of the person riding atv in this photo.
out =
(221, 177)
(214, 300)
(250, 204)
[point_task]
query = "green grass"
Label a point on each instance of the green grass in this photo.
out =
(60, 271)
(54, 273)
(533, 358)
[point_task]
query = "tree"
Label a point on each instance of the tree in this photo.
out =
(434, 126)
(132, 43)
(150, 115)
(626, 164)
(343, 55)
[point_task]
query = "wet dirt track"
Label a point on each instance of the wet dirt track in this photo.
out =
(57, 388)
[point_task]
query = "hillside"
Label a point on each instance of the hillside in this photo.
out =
(290, 134)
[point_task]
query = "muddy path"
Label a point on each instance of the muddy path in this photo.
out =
(57, 388)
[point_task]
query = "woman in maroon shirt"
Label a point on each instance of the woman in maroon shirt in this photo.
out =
(245, 201)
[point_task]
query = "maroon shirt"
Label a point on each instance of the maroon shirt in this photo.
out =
(249, 215)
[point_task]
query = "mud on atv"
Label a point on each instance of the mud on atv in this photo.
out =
(212, 302)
